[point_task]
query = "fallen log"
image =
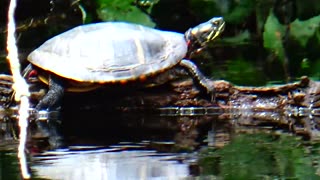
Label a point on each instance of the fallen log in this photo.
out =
(304, 95)
(294, 106)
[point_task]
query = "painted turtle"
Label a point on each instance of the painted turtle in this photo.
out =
(92, 55)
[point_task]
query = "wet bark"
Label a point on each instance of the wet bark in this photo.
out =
(304, 94)
(294, 106)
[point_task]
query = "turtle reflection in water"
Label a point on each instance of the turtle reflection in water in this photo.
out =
(89, 56)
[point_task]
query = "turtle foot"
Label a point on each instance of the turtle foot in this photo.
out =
(207, 89)
(52, 100)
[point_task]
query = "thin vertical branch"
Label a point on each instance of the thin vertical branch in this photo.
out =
(21, 88)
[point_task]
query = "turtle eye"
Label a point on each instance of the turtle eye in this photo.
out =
(216, 23)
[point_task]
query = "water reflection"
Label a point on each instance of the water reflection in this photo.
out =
(108, 164)
(139, 146)
(111, 145)
(262, 156)
(9, 166)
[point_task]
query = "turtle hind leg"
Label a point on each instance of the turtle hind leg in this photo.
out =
(52, 100)
(198, 78)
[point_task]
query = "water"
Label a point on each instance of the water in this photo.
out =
(97, 139)
(102, 145)
(237, 145)
(126, 149)
(108, 164)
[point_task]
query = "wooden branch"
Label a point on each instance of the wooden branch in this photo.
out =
(295, 106)
(303, 94)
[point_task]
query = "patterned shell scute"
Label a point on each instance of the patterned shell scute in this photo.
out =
(110, 52)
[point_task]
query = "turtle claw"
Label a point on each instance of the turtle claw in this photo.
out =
(208, 89)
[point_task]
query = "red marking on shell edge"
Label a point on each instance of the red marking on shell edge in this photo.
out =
(188, 43)
(123, 82)
(143, 78)
(33, 73)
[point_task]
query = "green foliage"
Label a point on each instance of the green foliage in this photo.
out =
(9, 165)
(272, 36)
(305, 64)
(259, 156)
(122, 10)
(276, 25)
(303, 31)
(276, 35)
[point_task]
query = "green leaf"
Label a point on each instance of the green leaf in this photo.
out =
(302, 31)
(260, 156)
(272, 36)
(305, 64)
(122, 10)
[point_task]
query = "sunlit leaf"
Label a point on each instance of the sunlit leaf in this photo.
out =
(272, 36)
(122, 10)
(302, 31)
(305, 64)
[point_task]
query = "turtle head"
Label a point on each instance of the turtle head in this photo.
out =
(199, 36)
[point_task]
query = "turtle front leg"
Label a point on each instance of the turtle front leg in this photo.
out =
(198, 78)
(51, 101)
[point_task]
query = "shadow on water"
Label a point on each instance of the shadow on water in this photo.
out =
(156, 145)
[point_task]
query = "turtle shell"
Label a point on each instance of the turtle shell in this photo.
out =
(110, 52)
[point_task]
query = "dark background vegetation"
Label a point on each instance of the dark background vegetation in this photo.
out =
(265, 41)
